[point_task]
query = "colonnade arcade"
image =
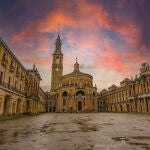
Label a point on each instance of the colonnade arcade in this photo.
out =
(140, 104)
(13, 105)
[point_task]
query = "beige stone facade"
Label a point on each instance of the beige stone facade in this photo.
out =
(20, 90)
(51, 102)
(19, 87)
(133, 95)
(73, 92)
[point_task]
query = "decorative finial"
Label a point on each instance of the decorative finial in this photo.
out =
(76, 59)
(76, 66)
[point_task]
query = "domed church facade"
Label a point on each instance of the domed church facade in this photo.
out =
(72, 92)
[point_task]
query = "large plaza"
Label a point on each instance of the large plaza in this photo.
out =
(77, 131)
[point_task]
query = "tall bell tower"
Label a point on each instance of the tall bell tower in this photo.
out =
(57, 65)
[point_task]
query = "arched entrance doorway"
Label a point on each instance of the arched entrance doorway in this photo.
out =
(79, 105)
(64, 102)
(127, 107)
(80, 97)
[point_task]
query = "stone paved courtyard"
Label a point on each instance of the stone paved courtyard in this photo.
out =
(85, 131)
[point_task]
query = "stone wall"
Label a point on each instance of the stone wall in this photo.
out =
(133, 95)
(19, 87)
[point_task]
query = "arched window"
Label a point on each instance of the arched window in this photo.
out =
(93, 94)
(80, 93)
(64, 94)
(57, 60)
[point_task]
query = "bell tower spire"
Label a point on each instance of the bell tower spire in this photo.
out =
(57, 65)
(58, 44)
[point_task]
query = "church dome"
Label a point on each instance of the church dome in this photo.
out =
(77, 72)
(76, 78)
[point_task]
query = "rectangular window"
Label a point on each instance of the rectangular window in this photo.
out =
(20, 87)
(1, 77)
(4, 57)
(15, 84)
(11, 64)
(9, 81)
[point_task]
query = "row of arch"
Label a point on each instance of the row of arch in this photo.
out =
(11, 106)
(139, 105)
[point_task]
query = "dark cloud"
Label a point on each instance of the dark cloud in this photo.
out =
(131, 11)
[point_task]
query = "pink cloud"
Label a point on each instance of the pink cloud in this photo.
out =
(43, 44)
(137, 57)
(110, 58)
(39, 61)
(97, 17)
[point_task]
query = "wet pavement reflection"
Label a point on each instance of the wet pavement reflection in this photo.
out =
(75, 131)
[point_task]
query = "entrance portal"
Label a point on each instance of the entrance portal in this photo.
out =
(127, 107)
(79, 105)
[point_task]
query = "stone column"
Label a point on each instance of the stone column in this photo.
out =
(135, 105)
(31, 106)
(145, 105)
(148, 104)
(9, 104)
(130, 109)
(14, 108)
(23, 106)
(34, 106)
(37, 106)
(1, 105)
(18, 110)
